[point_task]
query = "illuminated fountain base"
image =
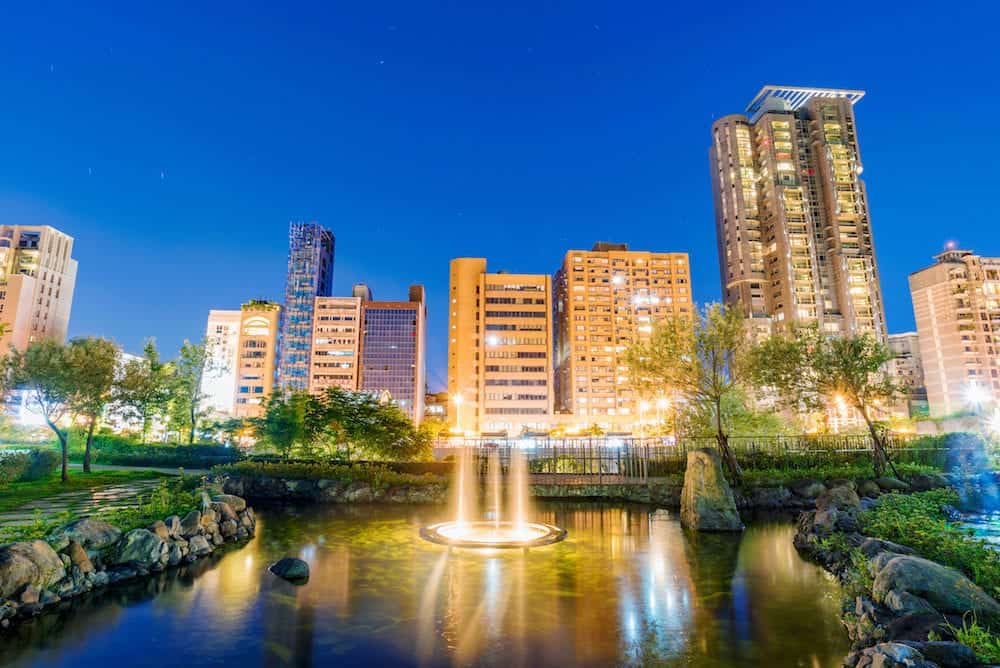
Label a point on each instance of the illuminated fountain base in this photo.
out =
(487, 534)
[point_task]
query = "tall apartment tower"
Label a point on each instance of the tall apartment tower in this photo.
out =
(907, 369)
(791, 213)
(336, 341)
(310, 275)
(499, 349)
(393, 350)
(956, 302)
(257, 357)
(607, 299)
(222, 340)
(37, 279)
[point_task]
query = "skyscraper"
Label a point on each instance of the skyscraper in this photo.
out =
(335, 359)
(393, 350)
(257, 356)
(37, 279)
(310, 275)
(607, 299)
(499, 349)
(792, 222)
(907, 369)
(218, 382)
(956, 303)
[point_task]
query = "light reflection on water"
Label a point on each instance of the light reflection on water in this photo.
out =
(627, 585)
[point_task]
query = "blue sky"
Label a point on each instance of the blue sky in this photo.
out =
(175, 141)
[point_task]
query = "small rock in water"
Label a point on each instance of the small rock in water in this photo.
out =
(291, 569)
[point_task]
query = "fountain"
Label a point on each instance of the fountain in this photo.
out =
(494, 529)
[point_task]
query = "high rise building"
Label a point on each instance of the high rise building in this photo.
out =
(607, 299)
(310, 275)
(907, 369)
(37, 279)
(222, 339)
(499, 349)
(792, 221)
(393, 350)
(956, 302)
(336, 342)
(257, 356)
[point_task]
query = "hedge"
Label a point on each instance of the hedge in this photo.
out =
(27, 464)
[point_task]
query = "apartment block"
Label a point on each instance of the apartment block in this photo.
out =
(37, 279)
(336, 343)
(956, 302)
(222, 340)
(791, 210)
(499, 349)
(260, 322)
(393, 350)
(310, 275)
(606, 300)
(907, 370)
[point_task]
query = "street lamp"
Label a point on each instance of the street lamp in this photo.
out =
(975, 394)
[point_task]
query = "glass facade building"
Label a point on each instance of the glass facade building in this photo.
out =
(392, 351)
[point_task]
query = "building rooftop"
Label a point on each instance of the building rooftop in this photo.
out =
(796, 96)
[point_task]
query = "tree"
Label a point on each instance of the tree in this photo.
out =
(44, 371)
(185, 388)
(143, 388)
(286, 424)
(698, 361)
(359, 421)
(93, 365)
(806, 369)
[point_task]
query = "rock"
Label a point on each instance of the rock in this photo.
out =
(905, 603)
(46, 597)
(869, 488)
(234, 502)
(95, 536)
(246, 521)
(28, 563)
(208, 516)
(291, 569)
(768, 497)
(923, 482)
(242, 533)
(217, 539)
(807, 489)
(841, 498)
(888, 655)
(947, 590)
(29, 595)
(945, 654)
(228, 528)
(173, 524)
(175, 554)
(79, 557)
(872, 546)
(199, 546)
(191, 524)
(224, 511)
(141, 547)
(160, 529)
(889, 484)
(867, 503)
(707, 502)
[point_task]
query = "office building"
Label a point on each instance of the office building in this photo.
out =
(257, 356)
(393, 350)
(499, 349)
(907, 370)
(218, 381)
(606, 300)
(37, 279)
(792, 219)
(336, 342)
(310, 275)
(956, 302)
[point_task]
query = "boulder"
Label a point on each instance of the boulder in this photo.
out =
(807, 489)
(191, 524)
(870, 547)
(707, 502)
(291, 569)
(869, 488)
(228, 528)
(142, 548)
(32, 563)
(945, 654)
(160, 529)
(840, 498)
(208, 516)
(888, 655)
(889, 484)
(199, 546)
(79, 558)
(95, 536)
(173, 524)
(236, 503)
(947, 590)
(174, 555)
(224, 511)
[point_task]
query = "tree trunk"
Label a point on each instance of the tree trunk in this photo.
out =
(64, 446)
(880, 454)
(727, 453)
(194, 411)
(86, 450)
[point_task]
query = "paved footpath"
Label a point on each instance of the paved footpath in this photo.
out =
(83, 501)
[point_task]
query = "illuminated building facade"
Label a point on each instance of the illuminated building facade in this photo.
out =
(37, 279)
(956, 303)
(907, 370)
(792, 221)
(256, 357)
(310, 275)
(499, 349)
(606, 300)
(336, 338)
(222, 339)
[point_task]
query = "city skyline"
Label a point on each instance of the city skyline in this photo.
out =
(619, 156)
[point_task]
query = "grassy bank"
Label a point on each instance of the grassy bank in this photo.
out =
(374, 474)
(16, 494)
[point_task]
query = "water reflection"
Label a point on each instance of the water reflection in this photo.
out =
(627, 586)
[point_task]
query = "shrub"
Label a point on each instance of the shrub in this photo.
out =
(981, 640)
(919, 521)
(376, 475)
(13, 465)
(113, 449)
(43, 463)
(27, 464)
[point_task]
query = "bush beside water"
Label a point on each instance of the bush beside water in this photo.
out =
(377, 475)
(27, 464)
(109, 449)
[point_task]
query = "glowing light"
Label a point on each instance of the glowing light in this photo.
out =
(644, 405)
(492, 340)
(457, 399)
(618, 279)
(976, 394)
(663, 403)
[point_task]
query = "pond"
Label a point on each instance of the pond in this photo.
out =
(628, 586)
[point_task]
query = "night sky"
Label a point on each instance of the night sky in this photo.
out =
(175, 142)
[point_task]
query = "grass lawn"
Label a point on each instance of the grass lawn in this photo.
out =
(16, 494)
